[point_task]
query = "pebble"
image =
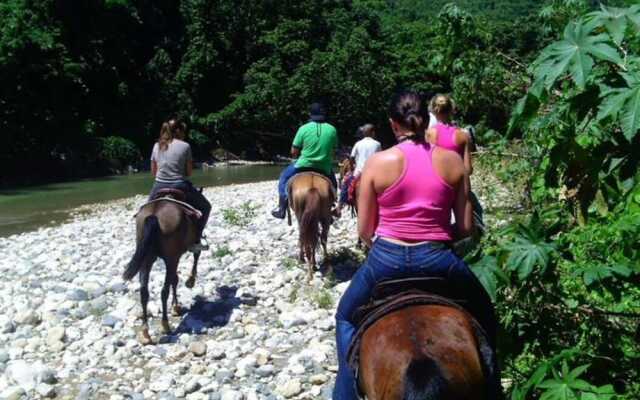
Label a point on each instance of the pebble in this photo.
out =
(198, 349)
(55, 335)
(290, 388)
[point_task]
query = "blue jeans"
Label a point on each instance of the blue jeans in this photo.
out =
(291, 170)
(388, 260)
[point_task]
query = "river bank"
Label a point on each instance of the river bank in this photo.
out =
(253, 330)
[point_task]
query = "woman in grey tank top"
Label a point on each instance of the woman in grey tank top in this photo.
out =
(172, 164)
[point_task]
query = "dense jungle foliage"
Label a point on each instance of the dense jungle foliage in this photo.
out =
(553, 85)
(84, 86)
(566, 272)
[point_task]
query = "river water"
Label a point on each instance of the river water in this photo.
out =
(28, 208)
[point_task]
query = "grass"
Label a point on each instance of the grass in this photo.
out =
(290, 263)
(323, 299)
(222, 251)
(239, 216)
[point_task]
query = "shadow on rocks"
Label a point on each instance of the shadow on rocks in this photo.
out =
(344, 262)
(207, 313)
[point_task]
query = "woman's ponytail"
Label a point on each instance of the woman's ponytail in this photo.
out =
(166, 135)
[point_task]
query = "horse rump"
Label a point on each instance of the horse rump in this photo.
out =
(310, 220)
(144, 248)
(424, 381)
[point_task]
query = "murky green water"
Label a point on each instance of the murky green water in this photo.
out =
(25, 209)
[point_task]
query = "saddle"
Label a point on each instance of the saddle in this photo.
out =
(317, 174)
(393, 295)
(176, 196)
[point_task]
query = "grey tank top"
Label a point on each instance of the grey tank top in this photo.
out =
(172, 162)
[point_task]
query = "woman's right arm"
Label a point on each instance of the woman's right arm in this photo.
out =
(463, 210)
(154, 163)
(465, 140)
(367, 203)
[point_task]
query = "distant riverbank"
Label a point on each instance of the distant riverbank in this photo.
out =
(27, 208)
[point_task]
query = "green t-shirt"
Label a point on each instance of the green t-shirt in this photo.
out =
(318, 142)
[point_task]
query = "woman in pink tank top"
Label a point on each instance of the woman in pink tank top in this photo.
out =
(446, 135)
(407, 194)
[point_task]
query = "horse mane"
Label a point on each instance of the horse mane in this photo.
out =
(310, 221)
(424, 381)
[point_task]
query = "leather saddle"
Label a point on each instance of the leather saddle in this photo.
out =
(173, 193)
(178, 197)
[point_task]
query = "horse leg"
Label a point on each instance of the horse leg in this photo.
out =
(311, 264)
(176, 311)
(144, 337)
(194, 271)
(324, 238)
(169, 278)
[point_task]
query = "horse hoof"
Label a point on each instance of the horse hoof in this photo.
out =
(166, 329)
(190, 282)
(176, 311)
(144, 338)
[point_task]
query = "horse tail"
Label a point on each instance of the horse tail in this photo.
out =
(150, 233)
(424, 381)
(310, 221)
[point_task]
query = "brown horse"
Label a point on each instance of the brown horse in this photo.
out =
(163, 230)
(310, 198)
(426, 352)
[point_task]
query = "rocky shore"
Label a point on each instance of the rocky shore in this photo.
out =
(252, 327)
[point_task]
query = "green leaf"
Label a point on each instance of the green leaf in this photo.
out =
(574, 55)
(623, 103)
(613, 19)
(488, 273)
(528, 251)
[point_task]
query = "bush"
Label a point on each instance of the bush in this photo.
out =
(118, 150)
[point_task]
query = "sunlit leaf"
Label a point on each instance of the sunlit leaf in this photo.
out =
(574, 55)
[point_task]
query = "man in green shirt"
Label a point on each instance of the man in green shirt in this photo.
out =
(314, 145)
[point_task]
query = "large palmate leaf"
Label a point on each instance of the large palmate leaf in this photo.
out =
(489, 274)
(527, 251)
(616, 20)
(567, 385)
(598, 272)
(623, 103)
(574, 55)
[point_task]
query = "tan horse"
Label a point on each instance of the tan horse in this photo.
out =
(310, 198)
(423, 352)
(163, 230)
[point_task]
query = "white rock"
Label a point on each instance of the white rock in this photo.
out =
(12, 393)
(28, 317)
(55, 335)
(229, 394)
(290, 388)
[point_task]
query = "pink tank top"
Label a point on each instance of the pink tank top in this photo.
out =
(417, 207)
(446, 137)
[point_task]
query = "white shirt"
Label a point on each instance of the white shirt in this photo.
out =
(433, 121)
(362, 150)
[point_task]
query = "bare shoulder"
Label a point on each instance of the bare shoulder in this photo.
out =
(383, 159)
(462, 137)
(449, 165)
